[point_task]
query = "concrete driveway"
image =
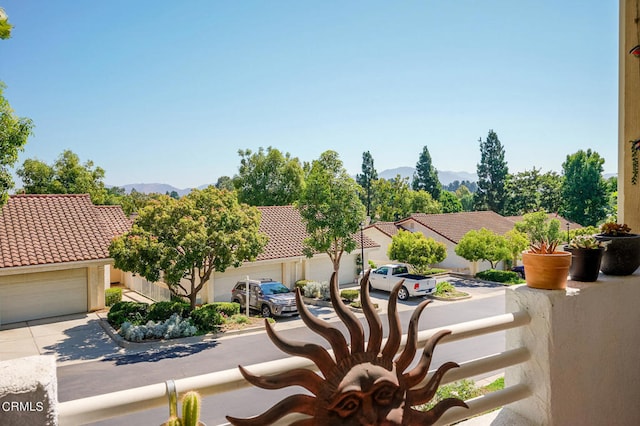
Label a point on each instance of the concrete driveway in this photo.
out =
(71, 338)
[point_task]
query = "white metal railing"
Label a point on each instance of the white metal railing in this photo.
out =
(116, 404)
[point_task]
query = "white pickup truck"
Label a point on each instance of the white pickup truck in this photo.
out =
(386, 277)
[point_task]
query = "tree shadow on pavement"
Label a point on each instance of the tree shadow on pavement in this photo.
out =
(159, 354)
(82, 342)
(473, 283)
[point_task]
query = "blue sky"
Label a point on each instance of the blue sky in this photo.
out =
(158, 91)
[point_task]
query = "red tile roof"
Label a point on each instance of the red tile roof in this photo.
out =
(43, 229)
(286, 231)
(563, 221)
(453, 226)
(388, 228)
(115, 220)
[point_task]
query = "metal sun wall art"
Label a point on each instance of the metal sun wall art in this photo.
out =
(358, 385)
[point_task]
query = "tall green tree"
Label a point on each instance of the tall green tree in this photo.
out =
(523, 192)
(423, 202)
(584, 190)
(492, 175)
(392, 199)
(268, 178)
(449, 202)
(134, 201)
(416, 250)
(67, 175)
(366, 179)
(466, 198)
(330, 208)
(551, 192)
(5, 26)
(225, 182)
(483, 244)
(426, 176)
(14, 132)
(183, 242)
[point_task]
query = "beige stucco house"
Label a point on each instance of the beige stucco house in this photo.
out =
(447, 228)
(282, 260)
(54, 256)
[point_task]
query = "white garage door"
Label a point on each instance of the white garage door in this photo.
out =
(43, 294)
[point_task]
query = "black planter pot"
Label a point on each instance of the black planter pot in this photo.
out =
(585, 263)
(622, 256)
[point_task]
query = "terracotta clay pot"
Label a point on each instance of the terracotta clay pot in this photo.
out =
(547, 271)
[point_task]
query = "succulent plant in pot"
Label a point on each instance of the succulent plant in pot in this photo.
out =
(545, 266)
(586, 256)
(622, 256)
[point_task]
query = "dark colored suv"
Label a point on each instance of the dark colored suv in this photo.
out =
(271, 298)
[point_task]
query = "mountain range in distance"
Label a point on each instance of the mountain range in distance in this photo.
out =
(446, 177)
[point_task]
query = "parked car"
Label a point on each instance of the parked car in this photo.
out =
(387, 276)
(270, 297)
(519, 270)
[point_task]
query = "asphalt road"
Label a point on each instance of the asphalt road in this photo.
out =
(157, 366)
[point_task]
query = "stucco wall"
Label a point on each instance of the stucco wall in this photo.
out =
(379, 254)
(584, 352)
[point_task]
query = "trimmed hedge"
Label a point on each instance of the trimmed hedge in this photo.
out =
(207, 317)
(301, 284)
(506, 277)
(349, 295)
(112, 296)
(161, 311)
(228, 309)
(133, 312)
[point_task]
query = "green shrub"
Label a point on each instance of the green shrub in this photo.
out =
(463, 389)
(444, 287)
(133, 312)
(301, 284)
(316, 290)
(161, 311)
(112, 296)
(238, 319)
(358, 305)
(207, 318)
(506, 277)
(228, 309)
(349, 295)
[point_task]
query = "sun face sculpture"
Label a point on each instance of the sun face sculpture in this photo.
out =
(359, 385)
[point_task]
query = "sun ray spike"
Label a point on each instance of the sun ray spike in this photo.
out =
(425, 393)
(315, 353)
(297, 377)
(395, 329)
(348, 318)
(373, 319)
(416, 375)
(410, 348)
(332, 335)
(304, 404)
